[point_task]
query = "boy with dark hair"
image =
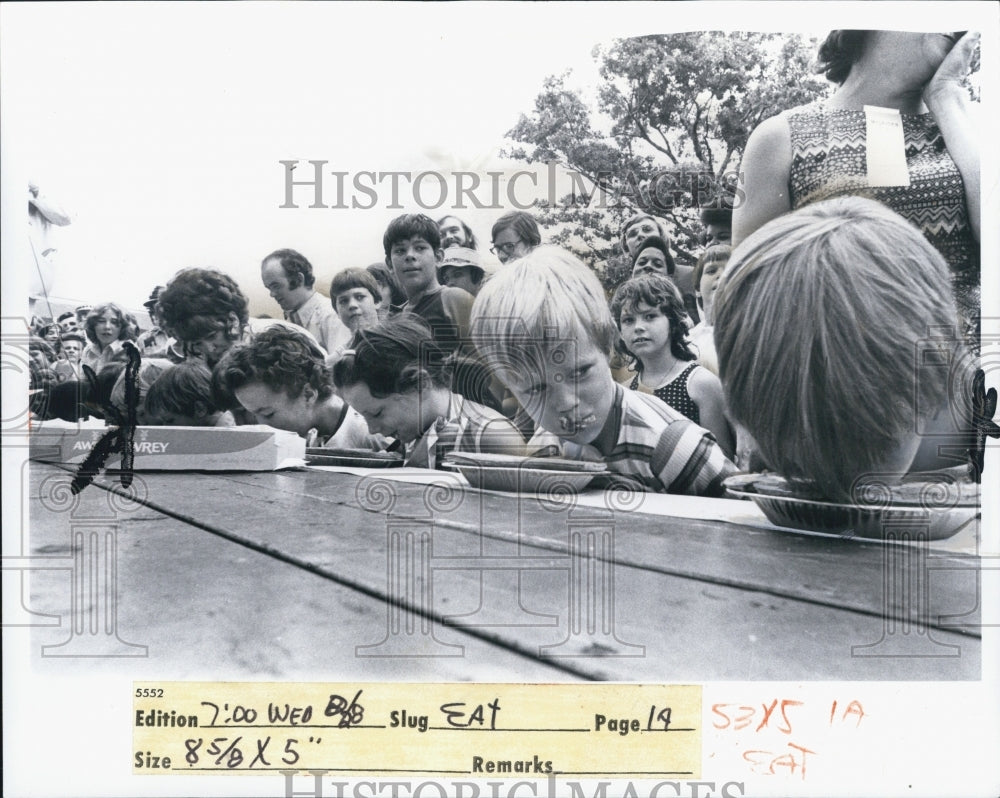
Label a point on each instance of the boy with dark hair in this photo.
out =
(413, 251)
(355, 296)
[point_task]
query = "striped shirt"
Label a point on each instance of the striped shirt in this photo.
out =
(468, 427)
(651, 443)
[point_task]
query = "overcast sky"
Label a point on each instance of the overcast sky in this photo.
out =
(161, 126)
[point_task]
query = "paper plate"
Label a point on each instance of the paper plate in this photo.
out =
(934, 509)
(353, 458)
(533, 463)
(538, 481)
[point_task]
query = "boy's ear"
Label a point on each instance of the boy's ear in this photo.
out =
(234, 324)
(200, 409)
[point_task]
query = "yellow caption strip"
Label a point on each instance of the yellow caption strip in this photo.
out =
(379, 729)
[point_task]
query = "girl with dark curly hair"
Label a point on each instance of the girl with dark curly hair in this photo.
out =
(650, 315)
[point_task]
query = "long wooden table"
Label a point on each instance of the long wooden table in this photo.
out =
(317, 575)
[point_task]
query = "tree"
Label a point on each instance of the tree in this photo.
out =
(678, 110)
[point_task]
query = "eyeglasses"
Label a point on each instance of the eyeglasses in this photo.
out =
(506, 249)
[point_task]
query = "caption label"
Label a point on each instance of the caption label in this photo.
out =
(531, 730)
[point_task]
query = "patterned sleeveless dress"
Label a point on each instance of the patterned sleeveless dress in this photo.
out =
(674, 393)
(829, 160)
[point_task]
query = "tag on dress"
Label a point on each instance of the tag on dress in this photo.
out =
(886, 151)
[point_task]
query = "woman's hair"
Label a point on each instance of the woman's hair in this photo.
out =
(656, 242)
(718, 253)
(658, 292)
(548, 296)
(383, 274)
(354, 278)
(184, 390)
(98, 313)
(392, 357)
(839, 52)
(197, 302)
(279, 358)
(824, 319)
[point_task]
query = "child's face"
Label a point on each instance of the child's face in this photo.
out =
(650, 261)
(645, 330)
(706, 286)
(276, 408)
(456, 277)
(414, 261)
(567, 391)
(357, 309)
(398, 415)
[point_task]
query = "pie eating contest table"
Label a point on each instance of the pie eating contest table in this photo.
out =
(308, 573)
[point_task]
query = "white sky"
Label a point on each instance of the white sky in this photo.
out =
(160, 126)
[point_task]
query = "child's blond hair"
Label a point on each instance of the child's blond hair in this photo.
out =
(549, 295)
(819, 320)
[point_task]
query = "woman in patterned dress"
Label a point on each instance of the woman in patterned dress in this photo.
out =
(821, 150)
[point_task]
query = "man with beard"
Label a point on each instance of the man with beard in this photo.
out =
(456, 233)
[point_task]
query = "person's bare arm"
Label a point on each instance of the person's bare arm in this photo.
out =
(948, 101)
(706, 391)
(765, 167)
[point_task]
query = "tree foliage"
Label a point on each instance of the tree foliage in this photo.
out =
(672, 117)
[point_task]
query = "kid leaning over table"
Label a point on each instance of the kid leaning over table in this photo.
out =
(543, 324)
(840, 347)
(398, 377)
(282, 379)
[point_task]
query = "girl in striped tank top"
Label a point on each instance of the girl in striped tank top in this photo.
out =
(650, 315)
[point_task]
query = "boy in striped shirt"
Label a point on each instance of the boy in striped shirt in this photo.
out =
(544, 326)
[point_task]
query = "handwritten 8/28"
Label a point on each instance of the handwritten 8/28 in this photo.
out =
(777, 716)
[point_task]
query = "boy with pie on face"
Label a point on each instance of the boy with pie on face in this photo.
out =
(544, 326)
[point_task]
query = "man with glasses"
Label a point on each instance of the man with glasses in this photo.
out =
(514, 235)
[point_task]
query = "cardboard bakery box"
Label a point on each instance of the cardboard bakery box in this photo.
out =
(249, 448)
